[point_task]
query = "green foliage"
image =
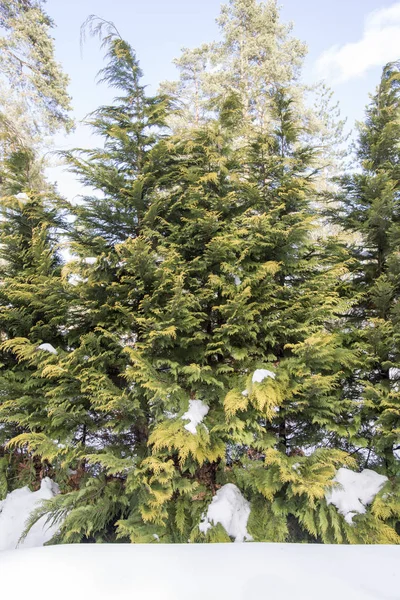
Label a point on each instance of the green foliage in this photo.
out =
(367, 207)
(35, 100)
(3, 477)
(32, 304)
(198, 267)
(256, 51)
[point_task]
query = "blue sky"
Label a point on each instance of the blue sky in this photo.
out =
(348, 42)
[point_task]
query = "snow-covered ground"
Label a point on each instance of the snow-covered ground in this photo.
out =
(202, 572)
(250, 571)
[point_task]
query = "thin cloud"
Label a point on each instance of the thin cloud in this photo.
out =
(379, 44)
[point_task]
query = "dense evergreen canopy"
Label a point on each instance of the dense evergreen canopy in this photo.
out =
(207, 330)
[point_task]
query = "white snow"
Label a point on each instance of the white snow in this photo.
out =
(75, 279)
(195, 414)
(260, 374)
(394, 376)
(232, 510)
(202, 571)
(22, 196)
(59, 445)
(14, 512)
(355, 492)
(89, 260)
(169, 414)
(258, 377)
(394, 373)
(47, 348)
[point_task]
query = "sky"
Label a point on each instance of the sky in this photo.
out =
(348, 41)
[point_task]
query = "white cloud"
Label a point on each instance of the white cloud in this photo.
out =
(379, 44)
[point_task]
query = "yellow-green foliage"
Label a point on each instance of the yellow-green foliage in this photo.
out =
(202, 261)
(3, 477)
(172, 435)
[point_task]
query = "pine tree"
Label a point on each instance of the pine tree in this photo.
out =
(33, 103)
(256, 53)
(291, 280)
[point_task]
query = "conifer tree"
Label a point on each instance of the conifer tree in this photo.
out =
(206, 344)
(32, 305)
(368, 208)
(34, 101)
(110, 422)
(256, 53)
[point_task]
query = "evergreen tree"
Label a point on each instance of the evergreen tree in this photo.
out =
(368, 208)
(32, 306)
(91, 399)
(256, 53)
(33, 88)
(33, 102)
(205, 341)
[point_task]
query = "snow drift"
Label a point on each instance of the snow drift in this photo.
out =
(199, 571)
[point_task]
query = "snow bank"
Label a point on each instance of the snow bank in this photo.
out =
(15, 510)
(357, 490)
(202, 571)
(195, 415)
(47, 348)
(260, 374)
(232, 510)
